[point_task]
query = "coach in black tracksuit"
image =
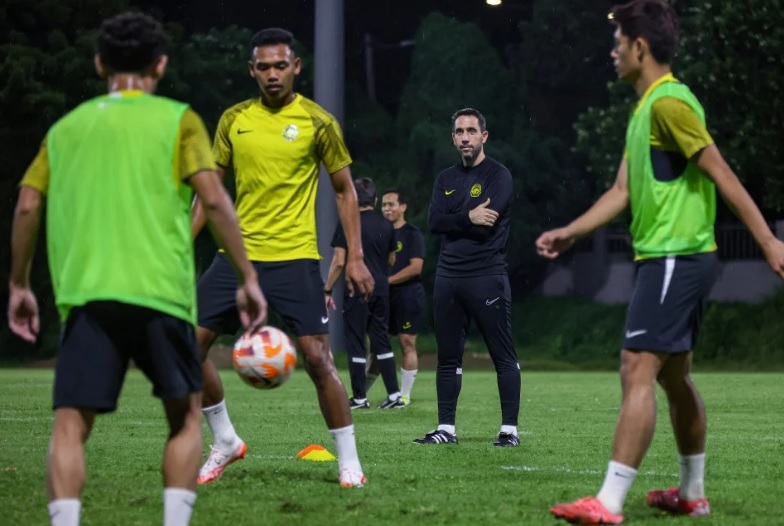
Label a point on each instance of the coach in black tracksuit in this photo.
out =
(369, 318)
(470, 208)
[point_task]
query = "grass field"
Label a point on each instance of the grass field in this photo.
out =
(566, 423)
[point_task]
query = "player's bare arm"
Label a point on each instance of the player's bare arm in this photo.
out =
(219, 213)
(407, 273)
(358, 278)
(335, 270)
(610, 205)
(198, 219)
(711, 162)
(22, 305)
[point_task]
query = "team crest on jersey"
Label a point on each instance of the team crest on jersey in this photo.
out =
(399, 246)
(476, 190)
(290, 132)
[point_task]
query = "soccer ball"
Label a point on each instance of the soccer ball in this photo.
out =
(265, 359)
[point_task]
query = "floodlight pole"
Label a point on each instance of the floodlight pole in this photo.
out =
(329, 93)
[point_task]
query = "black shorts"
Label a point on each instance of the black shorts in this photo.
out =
(294, 289)
(668, 302)
(406, 309)
(101, 337)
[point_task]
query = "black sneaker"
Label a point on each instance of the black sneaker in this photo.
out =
(353, 404)
(397, 403)
(438, 436)
(507, 440)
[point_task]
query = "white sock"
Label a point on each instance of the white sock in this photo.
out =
(692, 476)
(177, 506)
(346, 446)
(394, 396)
(512, 430)
(65, 512)
(407, 382)
(616, 485)
(223, 434)
(360, 400)
(449, 429)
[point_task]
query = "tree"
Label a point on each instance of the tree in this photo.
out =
(453, 67)
(729, 57)
(47, 69)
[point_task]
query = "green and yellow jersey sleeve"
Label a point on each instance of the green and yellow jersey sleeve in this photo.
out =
(37, 174)
(195, 151)
(675, 127)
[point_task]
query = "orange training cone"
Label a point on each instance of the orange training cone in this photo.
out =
(316, 453)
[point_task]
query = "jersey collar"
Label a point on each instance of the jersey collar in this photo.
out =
(669, 77)
(127, 93)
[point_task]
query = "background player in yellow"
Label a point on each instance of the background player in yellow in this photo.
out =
(116, 174)
(668, 177)
(275, 144)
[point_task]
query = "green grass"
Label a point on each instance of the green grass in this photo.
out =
(567, 421)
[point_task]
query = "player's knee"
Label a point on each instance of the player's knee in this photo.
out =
(205, 338)
(317, 359)
(674, 383)
(638, 369)
(72, 426)
(408, 345)
(184, 414)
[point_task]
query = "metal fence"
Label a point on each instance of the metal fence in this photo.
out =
(734, 240)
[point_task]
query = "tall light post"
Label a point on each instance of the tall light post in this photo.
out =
(329, 93)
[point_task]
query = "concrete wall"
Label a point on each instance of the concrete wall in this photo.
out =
(608, 277)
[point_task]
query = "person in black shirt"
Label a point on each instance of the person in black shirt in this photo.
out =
(470, 208)
(406, 293)
(368, 318)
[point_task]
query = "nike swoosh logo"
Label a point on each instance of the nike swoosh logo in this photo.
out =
(324, 319)
(490, 302)
(632, 334)
(240, 132)
(407, 325)
(449, 192)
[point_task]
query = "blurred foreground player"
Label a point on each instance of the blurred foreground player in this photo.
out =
(668, 177)
(116, 174)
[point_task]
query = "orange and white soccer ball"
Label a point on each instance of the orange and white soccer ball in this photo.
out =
(266, 358)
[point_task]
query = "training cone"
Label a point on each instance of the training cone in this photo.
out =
(316, 453)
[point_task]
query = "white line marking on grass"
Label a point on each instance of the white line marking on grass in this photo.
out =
(275, 457)
(569, 470)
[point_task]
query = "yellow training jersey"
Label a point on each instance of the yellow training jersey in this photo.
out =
(275, 154)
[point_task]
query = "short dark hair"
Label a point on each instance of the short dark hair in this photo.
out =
(366, 191)
(130, 42)
(472, 113)
(401, 197)
(272, 36)
(653, 20)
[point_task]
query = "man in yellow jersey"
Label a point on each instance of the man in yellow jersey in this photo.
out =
(275, 144)
(116, 174)
(668, 177)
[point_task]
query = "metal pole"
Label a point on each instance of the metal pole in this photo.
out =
(369, 75)
(329, 93)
